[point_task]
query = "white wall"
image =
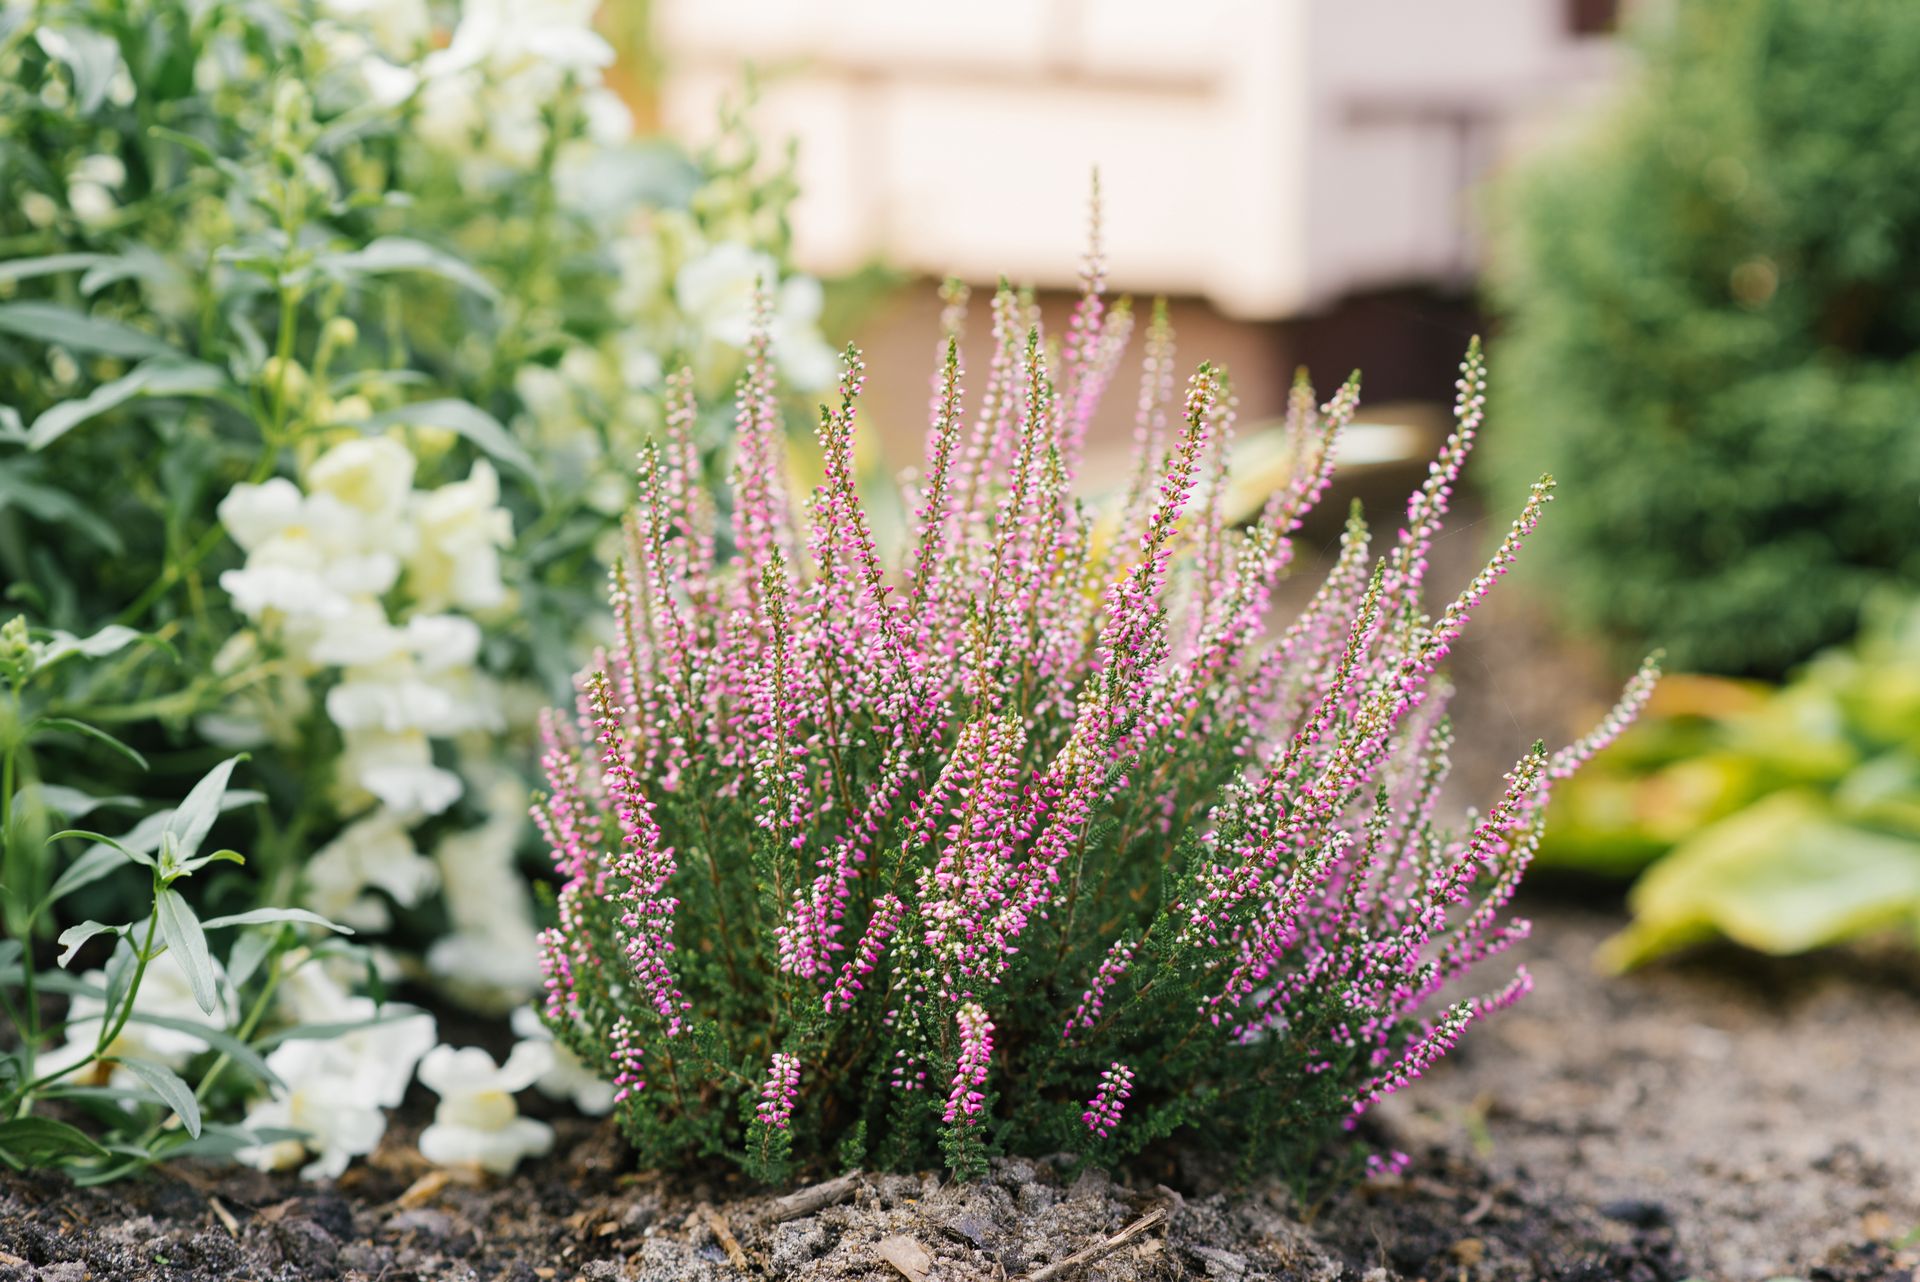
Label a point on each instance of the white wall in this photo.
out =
(1266, 154)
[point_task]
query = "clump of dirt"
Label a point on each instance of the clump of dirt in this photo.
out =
(1026, 1219)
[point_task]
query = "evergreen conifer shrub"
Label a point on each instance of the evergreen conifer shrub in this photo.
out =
(1712, 334)
(1039, 839)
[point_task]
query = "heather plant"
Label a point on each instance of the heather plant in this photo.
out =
(1031, 837)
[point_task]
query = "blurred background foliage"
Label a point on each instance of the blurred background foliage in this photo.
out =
(1710, 329)
(1781, 817)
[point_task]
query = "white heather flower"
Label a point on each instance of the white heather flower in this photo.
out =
(372, 853)
(568, 1079)
(460, 528)
(477, 1122)
(397, 769)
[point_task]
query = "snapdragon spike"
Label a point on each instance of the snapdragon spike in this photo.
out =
(1038, 797)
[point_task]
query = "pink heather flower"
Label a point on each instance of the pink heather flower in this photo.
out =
(1093, 1001)
(1381, 1165)
(965, 1101)
(1036, 758)
(1103, 1110)
(779, 1091)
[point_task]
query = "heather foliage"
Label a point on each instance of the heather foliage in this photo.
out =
(1034, 840)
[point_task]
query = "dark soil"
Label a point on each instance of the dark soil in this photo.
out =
(1713, 1119)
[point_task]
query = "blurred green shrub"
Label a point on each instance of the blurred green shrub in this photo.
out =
(1782, 818)
(1713, 333)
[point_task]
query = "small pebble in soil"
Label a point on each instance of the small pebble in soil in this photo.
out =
(1642, 1213)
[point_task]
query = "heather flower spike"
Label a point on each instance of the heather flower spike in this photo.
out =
(1030, 832)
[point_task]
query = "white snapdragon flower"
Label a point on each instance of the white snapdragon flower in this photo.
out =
(420, 677)
(310, 556)
(568, 1079)
(92, 186)
(372, 853)
(493, 948)
(372, 477)
(716, 290)
(460, 529)
(165, 992)
(398, 770)
(383, 83)
(486, 93)
(253, 514)
(519, 38)
(477, 1122)
(338, 1089)
(398, 28)
(380, 1055)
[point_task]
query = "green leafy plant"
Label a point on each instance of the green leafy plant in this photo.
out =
(1783, 818)
(325, 347)
(120, 1053)
(1710, 333)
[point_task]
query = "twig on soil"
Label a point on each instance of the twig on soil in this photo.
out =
(231, 1225)
(728, 1242)
(814, 1198)
(1098, 1250)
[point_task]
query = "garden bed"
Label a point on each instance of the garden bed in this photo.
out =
(1738, 1120)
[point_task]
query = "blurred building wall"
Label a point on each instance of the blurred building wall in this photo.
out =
(1271, 156)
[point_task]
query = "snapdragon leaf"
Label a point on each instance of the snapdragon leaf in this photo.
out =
(92, 732)
(463, 419)
(403, 254)
(188, 943)
(261, 916)
(108, 640)
(48, 503)
(31, 1141)
(47, 265)
(187, 826)
(93, 864)
(69, 803)
(242, 1055)
(176, 1094)
(137, 852)
(246, 955)
(155, 378)
(80, 332)
(74, 936)
(92, 56)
